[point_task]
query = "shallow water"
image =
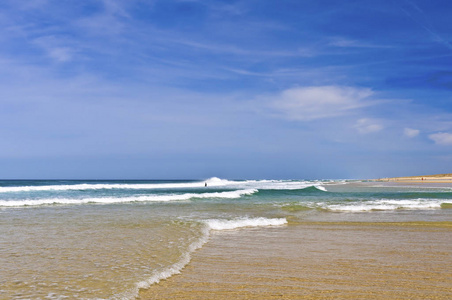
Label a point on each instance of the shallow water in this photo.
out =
(341, 260)
(107, 239)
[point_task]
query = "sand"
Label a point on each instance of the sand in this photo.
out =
(438, 178)
(319, 261)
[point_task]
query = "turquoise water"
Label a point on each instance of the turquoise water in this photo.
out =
(106, 239)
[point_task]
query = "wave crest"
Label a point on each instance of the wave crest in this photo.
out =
(211, 182)
(218, 224)
(109, 200)
(387, 205)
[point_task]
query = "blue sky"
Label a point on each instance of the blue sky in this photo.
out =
(234, 89)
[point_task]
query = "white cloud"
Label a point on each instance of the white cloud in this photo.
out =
(365, 126)
(318, 102)
(441, 138)
(409, 132)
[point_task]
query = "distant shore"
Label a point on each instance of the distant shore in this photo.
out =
(438, 178)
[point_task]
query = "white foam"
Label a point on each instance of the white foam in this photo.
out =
(386, 204)
(320, 187)
(108, 186)
(215, 181)
(211, 182)
(145, 198)
(213, 224)
(278, 184)
(174, 269)
(218, 224)
(230, 195)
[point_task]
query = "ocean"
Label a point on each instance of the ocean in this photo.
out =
(107, 239)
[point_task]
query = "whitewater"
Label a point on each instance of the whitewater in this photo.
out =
(106, 239)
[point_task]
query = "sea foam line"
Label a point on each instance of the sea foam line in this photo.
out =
(146, 198)
(387, 204)
(211, 182)
(178, 266)
(214, 181)
(280, 184)
(218, 224)
(211, 224)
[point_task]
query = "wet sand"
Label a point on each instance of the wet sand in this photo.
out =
(318, 261)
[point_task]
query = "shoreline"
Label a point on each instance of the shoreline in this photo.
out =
(344, 260)
(413, 180)
(439, 178)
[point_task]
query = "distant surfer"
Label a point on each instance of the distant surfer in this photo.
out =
(205, 184)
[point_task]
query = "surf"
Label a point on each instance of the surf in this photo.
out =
(111, 200)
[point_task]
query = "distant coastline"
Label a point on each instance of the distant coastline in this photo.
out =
(423, 178)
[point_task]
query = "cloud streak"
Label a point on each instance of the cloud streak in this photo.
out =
(320, 102)
(419, 16)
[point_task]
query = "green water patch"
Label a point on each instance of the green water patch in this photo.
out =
(446, 205)
(310, 190)
(439, 194)
(426, 195)
(295, 208)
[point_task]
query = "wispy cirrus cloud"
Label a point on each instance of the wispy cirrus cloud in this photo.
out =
(349, 43)
(319, 102)
(419, 16)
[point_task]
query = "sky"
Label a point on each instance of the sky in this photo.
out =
(190, 89)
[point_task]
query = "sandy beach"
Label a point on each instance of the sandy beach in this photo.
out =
(439, 178)
(319, 261)
(235, 239)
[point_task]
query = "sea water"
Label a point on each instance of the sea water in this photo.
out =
(107, 239)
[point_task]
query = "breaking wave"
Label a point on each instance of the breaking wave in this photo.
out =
(211, 182)
(109, 200)
(415, 204)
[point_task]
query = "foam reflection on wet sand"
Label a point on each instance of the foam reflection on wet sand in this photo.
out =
(319, 261)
